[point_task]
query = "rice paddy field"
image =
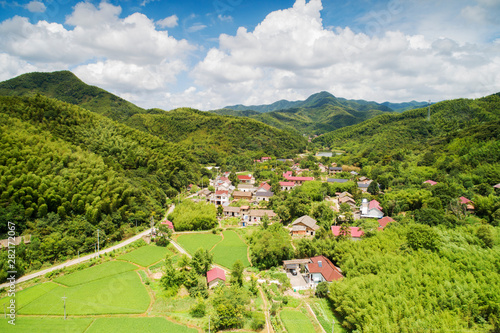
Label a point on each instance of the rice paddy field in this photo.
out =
(230, 249)
(145, 255)
(192, 242)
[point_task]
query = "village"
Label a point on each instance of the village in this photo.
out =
(247, 203)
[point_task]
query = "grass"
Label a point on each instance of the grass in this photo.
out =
(230, 249)
(296, 322)
(121, 293)
(146, 255)
(139, 324)
(94, 273)
(46, 325)
(325, 315)
(192, 242)
(28, 295)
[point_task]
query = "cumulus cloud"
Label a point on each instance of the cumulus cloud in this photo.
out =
(120, 54)
(169, 22)
(291, 53)
(36, 7)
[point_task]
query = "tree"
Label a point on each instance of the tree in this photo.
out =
(322, 289)
(198, 310)
(220, 210)
(420, 236)
(237, 273)
(201, 261)
(265, 221)
(373, 188)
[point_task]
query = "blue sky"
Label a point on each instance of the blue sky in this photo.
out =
(208, 54)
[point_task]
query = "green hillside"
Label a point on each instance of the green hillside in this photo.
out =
(66, 87)
(320, 113)
(214, 138)
(64, 171)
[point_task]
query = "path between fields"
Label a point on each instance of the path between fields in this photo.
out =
(266, 311)
(84, 258)
(315, 318)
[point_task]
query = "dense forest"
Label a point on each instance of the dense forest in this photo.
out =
(66, 171)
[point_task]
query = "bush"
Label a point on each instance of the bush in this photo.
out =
(258, 321)
(198, 310)
(322, 290)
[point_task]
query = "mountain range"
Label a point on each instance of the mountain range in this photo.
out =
(318, 114)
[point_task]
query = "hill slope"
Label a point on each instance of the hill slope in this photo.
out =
(67, 87)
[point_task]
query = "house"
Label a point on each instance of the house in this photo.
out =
(265, 159)
(303, 226)
(231, 211)
(169, 224)
(322, 168)
(431, 182)
(297, 180)
(255, 216)
(348, 200)
(363, 187)
(246, 179)
(371, 209)
(4, 243)
(383, 222)
(220, 197)
(334, 169)
(497, 186)
(264, 187)
(364, 180)
(356, 232)
(354, 173)
(237, 195)
(263, 196)
(247, 188)
(215, 276)
(316, 269)
(467, 203)
(337, 180)
(287, 186)
(321, 269)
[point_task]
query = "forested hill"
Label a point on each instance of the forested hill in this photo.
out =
(65, 171)
(220, 139)
(66, 87)
(213, 138)
(461, 119)
(320, 113)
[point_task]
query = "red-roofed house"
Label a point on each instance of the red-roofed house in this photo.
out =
(215, 276)
(297, 180)
(264, 187)
(431, 182)
(322, 269)
(371, 209)
(246, 179)
(287, 186)
(469, 204)
(169, 224)
(383, 222)
(497, 186)
(356, 233)
(265, 158)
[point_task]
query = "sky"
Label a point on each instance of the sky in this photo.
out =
(214, 53)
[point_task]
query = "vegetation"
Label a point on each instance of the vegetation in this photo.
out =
(231, 249)
(138, 324)
(94, 273)
(194, 216)
(192, 242)
(46, 325)
(296, 322)
(269, 247)
(146, 255)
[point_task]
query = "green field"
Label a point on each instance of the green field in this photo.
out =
(28, 295)
(121, 293)
(230, 249)
(296, 322)
(192, 242)
(97, 272)
(140, 324)
(145, 255)
(46, 325)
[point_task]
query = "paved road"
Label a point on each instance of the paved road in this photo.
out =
(85, 258)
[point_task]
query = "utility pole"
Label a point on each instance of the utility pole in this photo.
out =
(64, 300)
(208, 323)
(98, 242)
(333, 325)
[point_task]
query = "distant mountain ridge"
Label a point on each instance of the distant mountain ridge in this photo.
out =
(319, 113)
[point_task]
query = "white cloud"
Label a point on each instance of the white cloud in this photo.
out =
(196, 27)
(290, 54)
(36, 7)
(169, 22)
(225, 18)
